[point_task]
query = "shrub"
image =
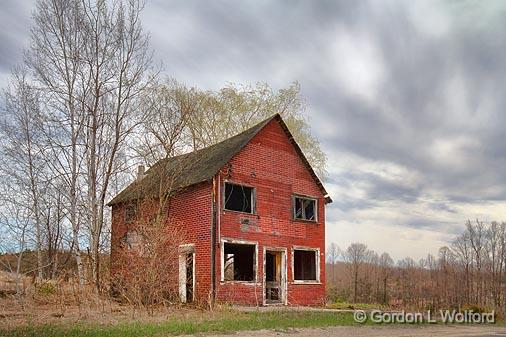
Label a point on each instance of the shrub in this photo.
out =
(46, 288)
(146, 274)
(475, 308)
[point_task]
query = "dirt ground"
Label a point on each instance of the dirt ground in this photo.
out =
(31, 312)
(383, 331)
(13, 314)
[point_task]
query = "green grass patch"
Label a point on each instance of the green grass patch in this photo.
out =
(226, 322)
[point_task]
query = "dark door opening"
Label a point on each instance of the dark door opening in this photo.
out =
(189, 278)
(273, 277)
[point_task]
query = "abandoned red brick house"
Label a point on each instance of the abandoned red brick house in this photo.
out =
(255, 214)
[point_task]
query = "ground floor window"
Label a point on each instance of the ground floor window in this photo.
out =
(305, 262)
(239, 261)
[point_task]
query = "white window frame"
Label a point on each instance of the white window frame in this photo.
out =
(222, 260)
(305, 197)
(183, 251)
(317, 257)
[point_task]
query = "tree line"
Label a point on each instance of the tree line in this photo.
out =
(86, 105)
(470, 271)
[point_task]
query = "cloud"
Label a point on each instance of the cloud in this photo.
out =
(406, 97)
(14, 33)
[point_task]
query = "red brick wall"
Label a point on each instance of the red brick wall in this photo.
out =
(192, 210)
(271, 165)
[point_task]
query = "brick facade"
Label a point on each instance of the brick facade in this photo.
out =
(270, 164)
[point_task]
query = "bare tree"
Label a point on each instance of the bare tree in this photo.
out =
(54, 59)
(23, 164)
(212, 116)
(333, 254)
(476, 240)
(167, 108)
(385, 264)
(117, 60)
(90, 60)
(462, 249)
(15, 221)
(356, 255)
(145, 270)
(468, 275)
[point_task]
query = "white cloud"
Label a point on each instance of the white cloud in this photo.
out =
(357, 63)
(429, 18)
(408, 83)
(398, 241)
(455, 153)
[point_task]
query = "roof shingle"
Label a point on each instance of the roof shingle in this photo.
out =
(175, 173)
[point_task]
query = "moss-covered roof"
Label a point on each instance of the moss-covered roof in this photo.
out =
(175, 173)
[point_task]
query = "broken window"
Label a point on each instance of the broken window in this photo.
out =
(130, 213)
(304, 208)
(304, 265)
(238, 262)
(239, 198)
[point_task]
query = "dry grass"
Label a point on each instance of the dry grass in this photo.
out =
(184, 322)
(8, 283)
(59, 302)
(14, 313)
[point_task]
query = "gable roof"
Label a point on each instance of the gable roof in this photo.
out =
(201, 165)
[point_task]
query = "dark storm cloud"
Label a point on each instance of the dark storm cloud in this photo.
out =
(258, 40)
(442, 206)
(417, 84)
(412, 110)
(378, 188)
(14, 31)
(430, 224)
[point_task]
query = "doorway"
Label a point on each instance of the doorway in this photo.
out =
(186, 274)
(275, 276)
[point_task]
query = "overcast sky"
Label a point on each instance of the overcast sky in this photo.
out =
(407, 98)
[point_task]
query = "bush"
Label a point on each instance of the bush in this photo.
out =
(146, 274)
(475, 308)
(46, 288)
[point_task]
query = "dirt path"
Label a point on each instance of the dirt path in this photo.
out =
(366, 331)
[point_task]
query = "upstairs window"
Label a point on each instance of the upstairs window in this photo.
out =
(304, 208)
(130, 213)
(239, 198)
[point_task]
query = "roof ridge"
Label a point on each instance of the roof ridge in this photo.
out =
(265, 121)
(217, 155)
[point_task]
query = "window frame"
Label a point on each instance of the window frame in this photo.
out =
(130, 219)
(222, 260)
(253, 197)
(304, 197)
(317, 265)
